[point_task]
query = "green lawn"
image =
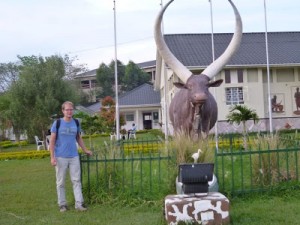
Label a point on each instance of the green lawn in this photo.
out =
(28, 196)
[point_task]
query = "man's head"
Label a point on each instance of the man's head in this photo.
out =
(67, 109)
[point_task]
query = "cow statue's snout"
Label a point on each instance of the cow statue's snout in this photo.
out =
(199, 98)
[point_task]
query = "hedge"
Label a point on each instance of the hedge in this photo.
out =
(32, 154)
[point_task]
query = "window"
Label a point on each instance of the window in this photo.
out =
(285, 75)
(234, 96)
(94, 83)
(129, 117)
(227, 77)
(240, 75)
(85, 84)
(155, 116)
(265, 76)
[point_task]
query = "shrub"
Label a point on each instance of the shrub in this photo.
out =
(8, 144)
(33, 154)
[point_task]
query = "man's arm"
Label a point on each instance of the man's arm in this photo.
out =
(81, 144)
(51, 148)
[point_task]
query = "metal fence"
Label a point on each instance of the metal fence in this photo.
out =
(146, 169)
(260, 167)
(137, 167)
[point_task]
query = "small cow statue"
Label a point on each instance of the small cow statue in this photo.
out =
(193, 109)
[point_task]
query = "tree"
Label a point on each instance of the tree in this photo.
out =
(108, 113)
(90, 124)
(5, 122)
(105, 78)
(9, 73)
(72, 69)
(38, 94)
(121, 70)
(241, 114)
(133, 77)
(129, 77)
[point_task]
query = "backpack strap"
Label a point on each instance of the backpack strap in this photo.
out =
(58, 125)
(77, 124)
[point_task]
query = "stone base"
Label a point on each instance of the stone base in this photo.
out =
(210, 209)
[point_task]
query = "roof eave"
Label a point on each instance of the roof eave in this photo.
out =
(139, 106)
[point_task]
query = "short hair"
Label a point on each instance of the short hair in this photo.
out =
(66, 103)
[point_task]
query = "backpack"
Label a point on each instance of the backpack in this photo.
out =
(58, 125)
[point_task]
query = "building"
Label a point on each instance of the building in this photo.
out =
(88, 84)
(140, 106)
(88, 80)
(245, 76)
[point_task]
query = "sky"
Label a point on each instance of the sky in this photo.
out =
(85, 29)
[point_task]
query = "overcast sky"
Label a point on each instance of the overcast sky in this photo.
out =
(85, 28)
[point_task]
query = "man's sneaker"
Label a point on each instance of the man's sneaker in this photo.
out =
(80, 208)
(63, 208)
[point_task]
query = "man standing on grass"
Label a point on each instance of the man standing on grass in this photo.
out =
(64, 155)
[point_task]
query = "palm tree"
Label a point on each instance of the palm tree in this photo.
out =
(241, 114)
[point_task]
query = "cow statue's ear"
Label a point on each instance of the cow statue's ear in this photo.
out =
(216, 83)
(179, 85)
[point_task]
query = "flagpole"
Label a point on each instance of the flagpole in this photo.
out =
(116, 76)
(213, 59)
(212, 31)
(268, 70)
(165, 91)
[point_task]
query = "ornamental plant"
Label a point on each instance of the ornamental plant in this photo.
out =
(241, 114)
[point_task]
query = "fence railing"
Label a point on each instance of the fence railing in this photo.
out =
(252, 170)
(138, 168)
(146, 169)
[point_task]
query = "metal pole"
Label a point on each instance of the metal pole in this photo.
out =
(268, 71)
(165, 91)
(213, 59)
(212, 31)
(116, 76)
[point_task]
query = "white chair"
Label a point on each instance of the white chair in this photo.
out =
(113, 136)
(132, 134)
(48, 142)
(39, 144)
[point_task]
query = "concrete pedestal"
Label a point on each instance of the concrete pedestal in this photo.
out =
(210, 209)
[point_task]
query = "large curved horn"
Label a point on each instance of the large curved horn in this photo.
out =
(181, 71)
(215, 67)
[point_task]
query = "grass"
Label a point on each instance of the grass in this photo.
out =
(28, 196)
(269, 209)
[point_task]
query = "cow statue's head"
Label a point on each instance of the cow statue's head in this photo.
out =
(195, 88)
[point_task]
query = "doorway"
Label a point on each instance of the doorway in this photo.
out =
(147, 121)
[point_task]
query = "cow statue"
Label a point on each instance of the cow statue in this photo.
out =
(193, 109)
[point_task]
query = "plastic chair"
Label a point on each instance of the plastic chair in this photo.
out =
(48, 142)
(39, 144)
(113, 136)
(132, 134)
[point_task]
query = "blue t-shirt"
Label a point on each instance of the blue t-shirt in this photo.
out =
(65, 145)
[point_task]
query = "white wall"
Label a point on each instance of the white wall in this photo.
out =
(255, 90)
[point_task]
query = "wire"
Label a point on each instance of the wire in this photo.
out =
(109, 46)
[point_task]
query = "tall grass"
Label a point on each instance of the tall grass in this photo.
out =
(184, 146)
(271, 167)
